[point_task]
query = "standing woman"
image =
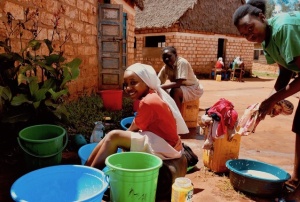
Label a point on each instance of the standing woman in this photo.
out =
(280, 39)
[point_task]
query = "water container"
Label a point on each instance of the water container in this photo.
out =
(189, 111)
(112, 99)
(133, 176)
(182, 190)
(42, 145)
(215, 159)
(60, 184)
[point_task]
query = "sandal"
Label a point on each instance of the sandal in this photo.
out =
(292, 185)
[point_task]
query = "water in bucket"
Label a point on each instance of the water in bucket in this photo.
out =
(133, 176)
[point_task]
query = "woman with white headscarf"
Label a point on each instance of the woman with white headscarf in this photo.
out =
(219, 63)
(156, 126)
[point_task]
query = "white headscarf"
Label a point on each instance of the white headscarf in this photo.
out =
(148, 75)
(220, 59)
(238, 60)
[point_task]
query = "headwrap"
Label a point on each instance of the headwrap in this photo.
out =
(148, 75)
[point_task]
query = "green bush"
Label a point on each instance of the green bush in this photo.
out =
(34, 74)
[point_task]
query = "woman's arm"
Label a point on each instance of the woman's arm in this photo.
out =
(166, 84)
(162, 75)
(283, 87)
(133, 127)
(182, 71)
(283, 79)
(176, 84)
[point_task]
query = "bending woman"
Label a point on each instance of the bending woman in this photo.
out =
(280, 39)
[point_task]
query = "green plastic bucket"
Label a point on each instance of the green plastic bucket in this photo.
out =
(133, 176)
(42, 145)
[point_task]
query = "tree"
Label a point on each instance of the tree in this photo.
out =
(270, 8)
(285, 6)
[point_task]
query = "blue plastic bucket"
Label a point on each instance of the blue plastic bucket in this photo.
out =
(125, 121)
(85, 151)
(60, 184)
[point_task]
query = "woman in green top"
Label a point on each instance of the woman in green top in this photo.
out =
(280, 39)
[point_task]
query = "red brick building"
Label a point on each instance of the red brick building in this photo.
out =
(105, 50)
(201, 31)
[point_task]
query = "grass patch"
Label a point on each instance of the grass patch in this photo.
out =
(264, 74)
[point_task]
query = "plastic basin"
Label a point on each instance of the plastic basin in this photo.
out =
(257, 177)
(60, 183)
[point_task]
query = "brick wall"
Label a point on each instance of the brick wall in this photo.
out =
(240, 47)
(130, 38)
(79, 19)
(200, 49)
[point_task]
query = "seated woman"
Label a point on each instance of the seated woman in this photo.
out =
(238, 68)
(156, 126)
(184, 85)
(238, 62)
(219, 67)
(219, 64)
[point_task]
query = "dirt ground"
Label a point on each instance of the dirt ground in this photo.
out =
(272, 142)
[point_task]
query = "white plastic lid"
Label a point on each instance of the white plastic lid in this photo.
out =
(183, 182)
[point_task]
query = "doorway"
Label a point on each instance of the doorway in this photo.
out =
(222, 49)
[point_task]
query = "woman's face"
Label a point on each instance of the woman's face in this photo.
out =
(253, 28)
(169, 58)
(134, 86)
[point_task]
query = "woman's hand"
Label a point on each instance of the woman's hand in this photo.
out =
(133, 127)
(265, 108)
(268, 104)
